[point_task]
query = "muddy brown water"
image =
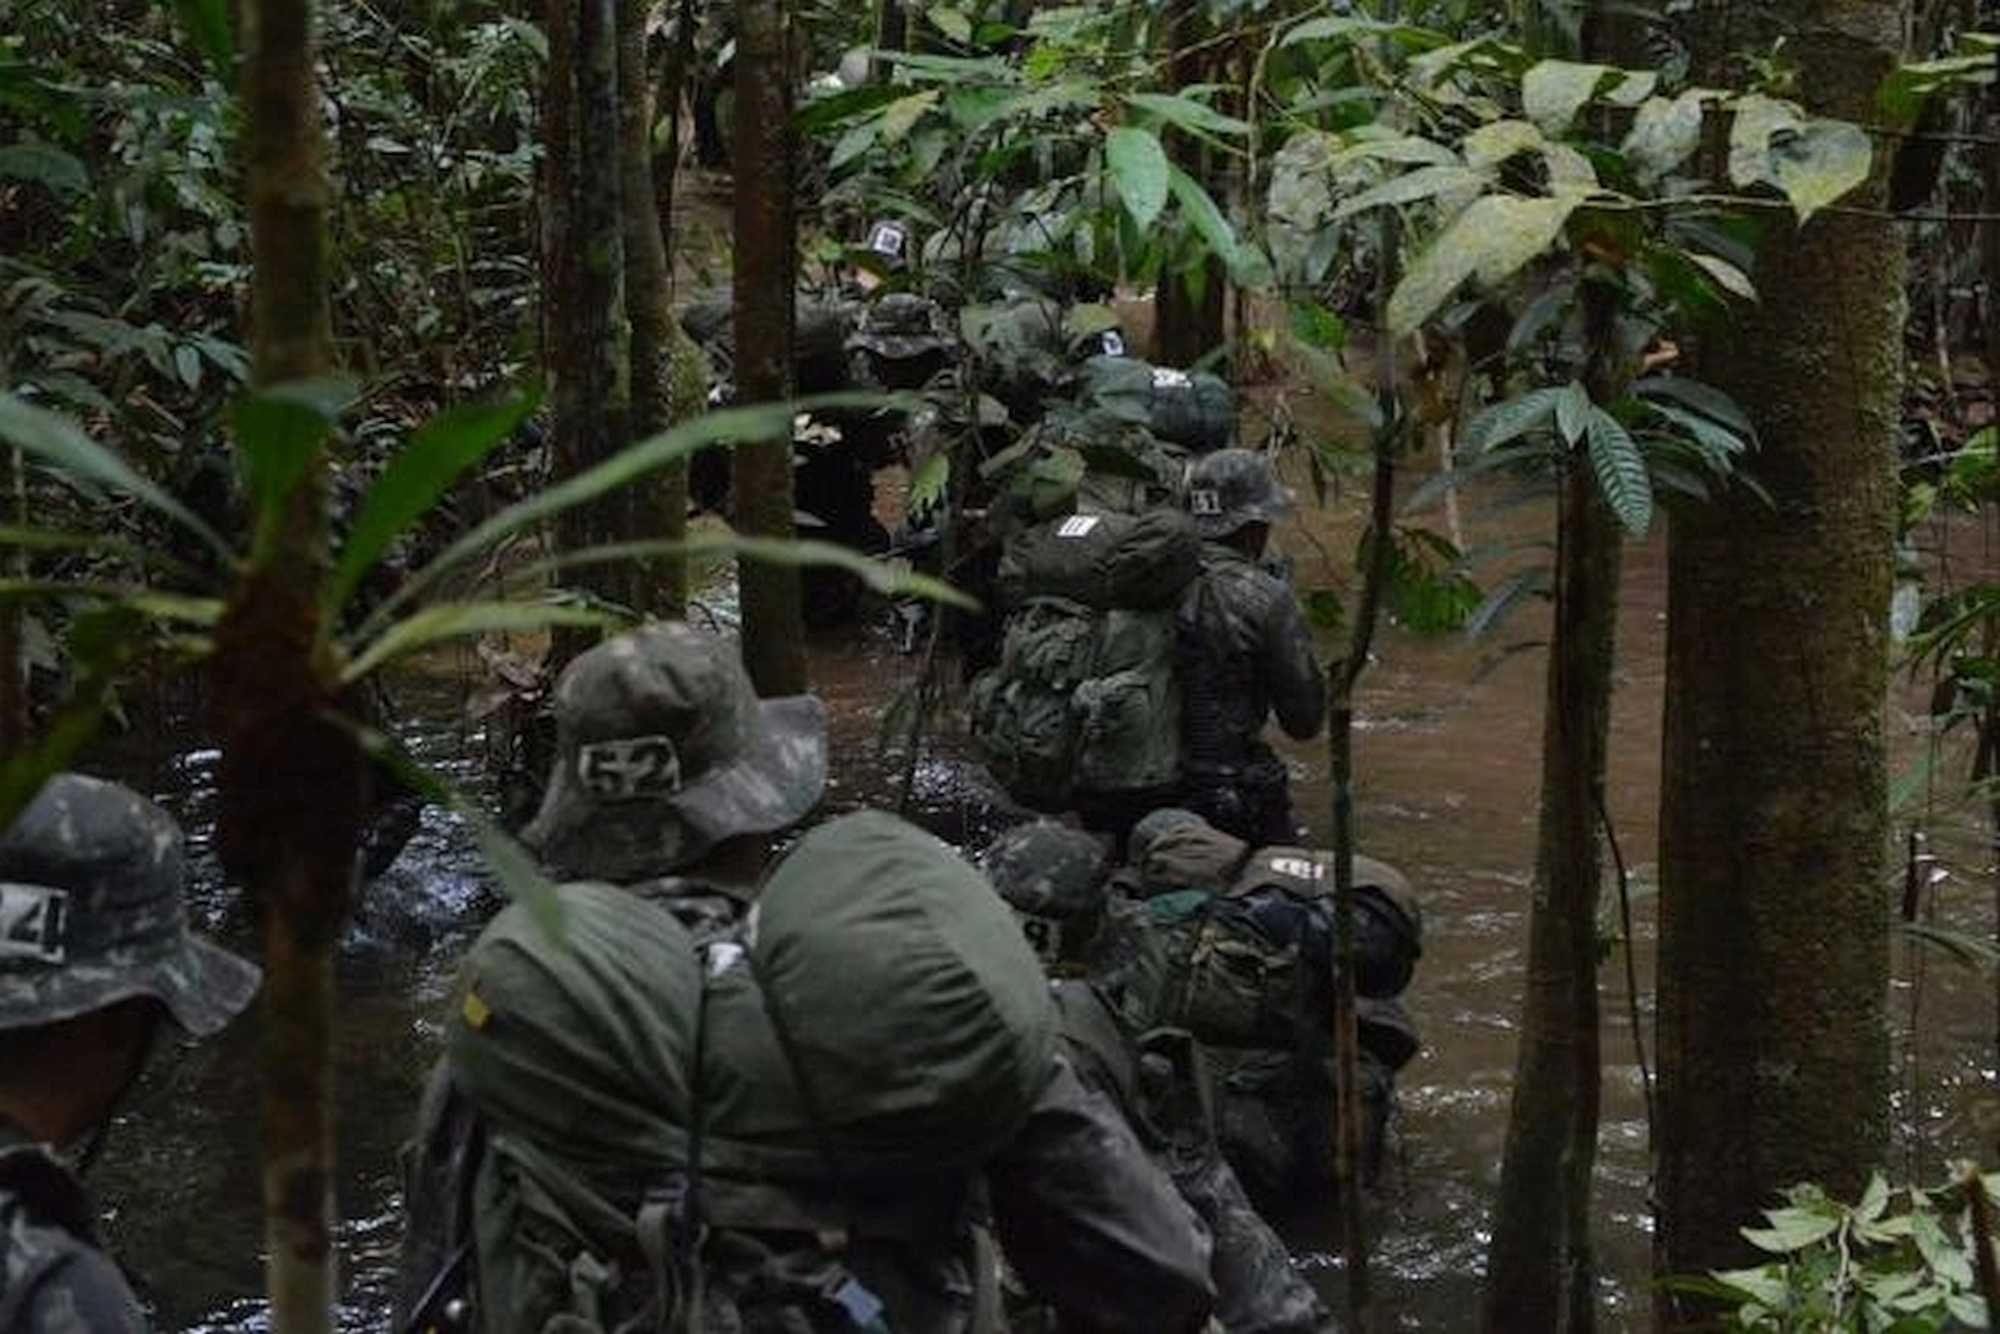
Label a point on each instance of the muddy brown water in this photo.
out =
(1447, 753)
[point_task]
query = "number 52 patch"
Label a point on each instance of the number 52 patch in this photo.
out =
(31, 922)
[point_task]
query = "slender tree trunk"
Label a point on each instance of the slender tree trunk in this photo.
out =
(592, 357)
(1188, 308)
(1540, 1272)
(291, 779)
(1989, 240)
(660, 508)
(13, 670)
(773, 612)
(892, 33)
(1774, 823)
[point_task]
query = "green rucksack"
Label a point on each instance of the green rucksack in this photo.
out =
(1085, 699)
(1094, 462)
(883, 1030)
(1195, 409)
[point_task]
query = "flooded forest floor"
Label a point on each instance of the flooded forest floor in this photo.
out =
(1447, 756)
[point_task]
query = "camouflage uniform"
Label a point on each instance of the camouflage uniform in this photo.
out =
(91, 915)
(1245, 653)
(665, 751)
(1054, 879)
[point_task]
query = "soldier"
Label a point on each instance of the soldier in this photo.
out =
(692, 1146)
(94, 952)
(1244, 653)
(1053, 877)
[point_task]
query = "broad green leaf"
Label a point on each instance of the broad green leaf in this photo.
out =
(1757, 118)
(1573, 410)
(1427, 69)
(1399, 148)
(45, 165)
(951, 69)
(1338, 386)
(826, 112)
(456, 620)
(1727, 276)
(1664, 134)
(58, 441)
(102, 544)
(1945, 1259)
(953, 24)
(1508, 421)
(1874, 1199)
(520, 876)
(207, 23)
(278, 428)
(1621, 472)
(143, 601)
(1139, 168)
(1316, 326)
(1824, 161)
(927, 484)
(1705, 399)
(1090, 317)
(1635, 87)
(1904, 92)
(437, 455)
(1348, 29)
(879, 575)
(1765, 1286)
(1553, 90)
(1491, 239)
(1201, 211)
(1569, 170)
(1715, 439)
(858, 139)
(1791, 1230)
(1495, 142)
(756, 422)
(1504, 597)
(1412, 186)
(905, 113)
(1187, 113)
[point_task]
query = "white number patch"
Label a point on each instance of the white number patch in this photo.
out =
(31, 922)
(1205, 500)
(1077, 525)
(1166, 377)
(646, 766)
(887, 239)
(1044, 936)
(1113, 344)
(1299, 868)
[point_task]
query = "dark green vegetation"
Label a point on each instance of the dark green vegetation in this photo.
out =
(281, 285)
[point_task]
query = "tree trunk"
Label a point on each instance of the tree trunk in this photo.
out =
(1188, 306)
(592, 358)
(773, 611)
(1774, 824)
(1540, 1271)
(659, 507)
(290, 782)
(892, 33)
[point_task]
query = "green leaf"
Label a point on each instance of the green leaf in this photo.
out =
(1412, 186)
(456, 620)
(1506, 595)
(1316, 326)
(278, 428)
(1506, 421)
(1553, 91)
(58, 442)
(1573, 409)
(1664, 134)
(1904, 92)
(1200, 210)
(1726, 275)
(1621, 472)
(952, 24)
(1874, 1199)
(1632, 89)
(1757, 118)
(1791, 1230)
(1765, 1286)
(927, 484)
(851, 145)
(1706, 399)
(1187, 113)
(1823, 162)
(1495, 142)
(437, 455)
(1713, 437)
(1491, 239)
(1944, 1258)
(906, 112)
(1139, 168)
(760, 421)
(103, 544)
(879, 576)
(207, 24)
(1397, 148)
(520, 876)
(826, 112)
(42, 164)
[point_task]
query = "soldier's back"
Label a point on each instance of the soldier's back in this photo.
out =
(53, 1279)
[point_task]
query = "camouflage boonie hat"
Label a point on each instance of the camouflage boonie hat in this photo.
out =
(901, 325)
(1232, 488)
(1048, 869)
(92, 913)
(1177, 849)
(664, 750)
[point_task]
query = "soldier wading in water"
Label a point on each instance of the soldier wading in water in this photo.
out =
(818, 1118)
(94, 953)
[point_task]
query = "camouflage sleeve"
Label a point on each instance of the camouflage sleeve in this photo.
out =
(82, 1294)
(1298, 690)
(1092, 1226)
(435, 1164)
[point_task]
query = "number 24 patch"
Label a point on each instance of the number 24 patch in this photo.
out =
(32, 918)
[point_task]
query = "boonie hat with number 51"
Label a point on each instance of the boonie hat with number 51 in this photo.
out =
(92, 913)
(663, 751)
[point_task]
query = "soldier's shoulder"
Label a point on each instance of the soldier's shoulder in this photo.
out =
(56, 1281)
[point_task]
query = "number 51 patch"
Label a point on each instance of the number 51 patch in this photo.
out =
(31, 922)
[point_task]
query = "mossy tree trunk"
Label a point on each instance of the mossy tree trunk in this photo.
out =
(291, 779)
(660, 507)
(1774, 823)
(773, 611)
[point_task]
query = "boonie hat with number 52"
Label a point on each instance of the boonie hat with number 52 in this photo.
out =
(92, 913)
(663, 751)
